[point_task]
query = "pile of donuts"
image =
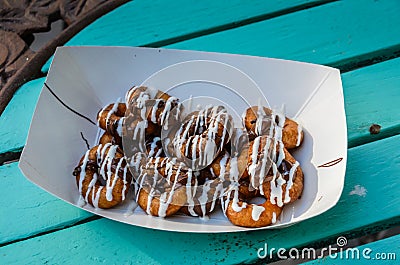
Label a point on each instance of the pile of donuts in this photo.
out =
(178, 162)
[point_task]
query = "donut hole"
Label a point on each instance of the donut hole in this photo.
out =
(256, 200)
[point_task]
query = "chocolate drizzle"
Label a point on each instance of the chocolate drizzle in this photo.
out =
(332, 163)
(68, 107)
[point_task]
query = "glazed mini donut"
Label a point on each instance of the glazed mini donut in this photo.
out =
(286, 184)
(154, 106)
(111, 117)
(102, 176)
(245, 214)
(161, 186)
(136, 96)
(264, 121)
(274, 171)
(202, 135)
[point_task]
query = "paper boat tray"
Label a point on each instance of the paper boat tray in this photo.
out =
(87, 78)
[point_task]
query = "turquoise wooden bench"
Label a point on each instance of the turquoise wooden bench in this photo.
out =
(37, 228)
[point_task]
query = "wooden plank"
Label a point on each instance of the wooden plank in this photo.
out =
(16, 118)
(334, 34)
(27, 210)
(371, 95)
(161, 22)
(383, 251)
(373, 167)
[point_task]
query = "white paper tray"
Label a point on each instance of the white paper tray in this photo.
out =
(88, 78)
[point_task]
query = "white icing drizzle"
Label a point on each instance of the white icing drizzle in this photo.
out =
(273, 217)
(166, 112)
(189, 194)
(299, 131)
(256, 212)
(95, 199)
(290, 181)
(162, 210)
(260, 118)
(113, 110)
(119, 126)
(203, 199)
(128, 95)
(154, 110)
(276, 186)
(153, 146)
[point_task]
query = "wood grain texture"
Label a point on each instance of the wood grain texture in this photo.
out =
(331, 34)
(380, 253)
(27, 210)
(161, 21)
(373, 166)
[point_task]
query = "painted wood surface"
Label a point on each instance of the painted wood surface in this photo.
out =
(316, 35)
(369, 201)
(27, 210)
(333, 34)
(378, 252)
(160, 22)
(16, 118)
(371, 96)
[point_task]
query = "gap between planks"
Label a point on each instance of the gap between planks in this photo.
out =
(84, 221)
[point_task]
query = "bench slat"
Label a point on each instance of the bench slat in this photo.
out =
(352, 33)
(16, 118)
(161, 21)
(112, 242)
(28, 210)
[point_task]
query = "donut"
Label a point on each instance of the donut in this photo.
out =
(274, 171)
(264, 121)
(241, 213)
(155, 106)
(202, 136)
(102, 176)
(287, 181)
(111, 117)
(252, 215)
(161, 186)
